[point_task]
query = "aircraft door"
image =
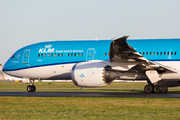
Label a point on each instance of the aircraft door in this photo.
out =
(26, 56)
(90, 54)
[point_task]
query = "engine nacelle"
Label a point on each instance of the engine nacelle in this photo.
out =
(93, 73)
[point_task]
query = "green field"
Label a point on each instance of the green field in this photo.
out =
(70, 87)
(85, 108)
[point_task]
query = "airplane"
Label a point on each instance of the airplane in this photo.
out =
(96, 63)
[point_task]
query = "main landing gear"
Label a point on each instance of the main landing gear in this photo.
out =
(150, 88)
(31, 87)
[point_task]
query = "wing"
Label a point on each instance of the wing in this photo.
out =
(121, 51)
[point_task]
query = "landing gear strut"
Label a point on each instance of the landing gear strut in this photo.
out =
(31, 87)
(155, 89)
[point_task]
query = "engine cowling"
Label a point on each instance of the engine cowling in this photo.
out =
(93, 73)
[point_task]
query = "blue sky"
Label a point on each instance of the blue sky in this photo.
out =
(23, 22)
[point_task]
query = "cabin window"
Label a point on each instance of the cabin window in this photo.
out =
(78, 54)
(108, 54)
(38, 55)
(71, 54)
(81, 54)
(74, 54)
(68, 55)
(55, 55)
(51, 55)
(61, 54)
(48, 55)
(104, 54)
(58, 54)
(158, 53)
(41, 55)
(44, 55)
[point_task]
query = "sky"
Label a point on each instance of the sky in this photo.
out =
(24, 22)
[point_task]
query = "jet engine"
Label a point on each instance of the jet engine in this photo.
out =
(93, 73)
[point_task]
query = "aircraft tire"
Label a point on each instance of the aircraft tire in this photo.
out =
(148, 89)
(34, 88)
(164, 89)
(157, 89)
(31, 88)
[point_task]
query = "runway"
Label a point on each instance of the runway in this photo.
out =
(88, 94)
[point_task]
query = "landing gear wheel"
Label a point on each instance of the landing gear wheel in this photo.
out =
(164, 89)
(34, 88)
(148, 89)
(157, 89)
(31, 88)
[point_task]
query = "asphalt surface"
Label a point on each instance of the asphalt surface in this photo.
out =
(88, 94)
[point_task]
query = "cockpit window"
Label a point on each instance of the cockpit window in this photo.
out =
(13, 56)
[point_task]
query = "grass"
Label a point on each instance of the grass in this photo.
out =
(86, 108)
(70, 87)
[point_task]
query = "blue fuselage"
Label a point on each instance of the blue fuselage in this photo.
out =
(66, 52)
